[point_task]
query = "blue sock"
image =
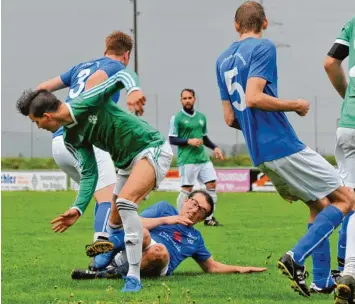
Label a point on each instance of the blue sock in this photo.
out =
(321, 264)
(96, 207)
(101, 216)
(324, 224)
(117, 238)
(342, 241)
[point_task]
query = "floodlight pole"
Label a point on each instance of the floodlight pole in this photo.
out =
(135, 14)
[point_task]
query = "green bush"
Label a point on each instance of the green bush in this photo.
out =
(23, 163)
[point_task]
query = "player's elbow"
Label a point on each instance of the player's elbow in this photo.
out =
(252, 101)
(330, 63)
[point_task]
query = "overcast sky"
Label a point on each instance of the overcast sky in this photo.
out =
(178, 43)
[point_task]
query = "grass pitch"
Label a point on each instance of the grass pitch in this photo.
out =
(36, 263)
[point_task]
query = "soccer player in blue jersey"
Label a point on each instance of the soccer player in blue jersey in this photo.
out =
(78, 79)
(170, 240)
(247, 79)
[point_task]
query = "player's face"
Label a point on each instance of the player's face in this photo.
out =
(196, 208)
(187, 100)
(45, 122)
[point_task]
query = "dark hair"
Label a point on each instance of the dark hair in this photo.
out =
(118, 43)
(208, 198)
(37, 102)
(188, 90)
(250, 17)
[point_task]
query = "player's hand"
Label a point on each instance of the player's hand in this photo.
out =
(136, 102)
(249, 269)
(65, 220)
(178, 219)
(218, 153)
(303, 107)
(196, 142)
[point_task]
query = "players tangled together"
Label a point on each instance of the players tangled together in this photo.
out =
(92, 136)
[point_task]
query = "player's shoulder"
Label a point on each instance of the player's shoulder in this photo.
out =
(265, 43)
(227, 52)
(177, 115)
(200, 115)
(349, 25)
(166, 207)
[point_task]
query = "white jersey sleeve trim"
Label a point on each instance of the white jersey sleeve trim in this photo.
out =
(341, 41)
(72, 116)
(172, 131)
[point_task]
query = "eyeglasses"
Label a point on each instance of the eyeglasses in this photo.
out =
(203, 212)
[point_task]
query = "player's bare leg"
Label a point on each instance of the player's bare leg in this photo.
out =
(141, 181)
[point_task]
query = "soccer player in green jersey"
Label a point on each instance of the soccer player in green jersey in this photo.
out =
(188, 131)
(140, 152)
(343, 47)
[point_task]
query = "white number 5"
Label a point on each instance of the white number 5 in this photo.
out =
(228, 75)
(83, 74)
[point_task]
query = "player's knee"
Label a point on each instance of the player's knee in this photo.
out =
(211, 185)
(187, 189)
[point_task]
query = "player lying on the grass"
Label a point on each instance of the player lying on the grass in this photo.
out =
(80, 78)
(93, 119)
(170, 240)
(247, 78)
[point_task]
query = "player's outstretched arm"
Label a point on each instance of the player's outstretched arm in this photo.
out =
(212, 266)
(256, 98)
(88, 180)
(52, 85)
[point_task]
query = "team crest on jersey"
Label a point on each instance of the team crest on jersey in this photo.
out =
(93, 119)
(201, 122)
(186, 122)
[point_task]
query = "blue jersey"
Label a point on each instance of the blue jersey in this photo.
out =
(268, 135)
(77, 76)
(181, 241)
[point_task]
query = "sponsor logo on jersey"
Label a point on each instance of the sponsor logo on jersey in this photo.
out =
(177, 236)
(93, 119)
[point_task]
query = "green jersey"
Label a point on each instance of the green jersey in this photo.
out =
(186, 126)
(347, 37)
(100, 122)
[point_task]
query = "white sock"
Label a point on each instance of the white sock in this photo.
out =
(181, 199)
(121, 258)
(349, 268)
(133, 235)
(100, 234)
(213, 194)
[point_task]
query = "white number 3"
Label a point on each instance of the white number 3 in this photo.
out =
(83, 74)
(228, 75)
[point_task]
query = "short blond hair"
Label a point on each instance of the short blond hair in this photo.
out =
(118, 43)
